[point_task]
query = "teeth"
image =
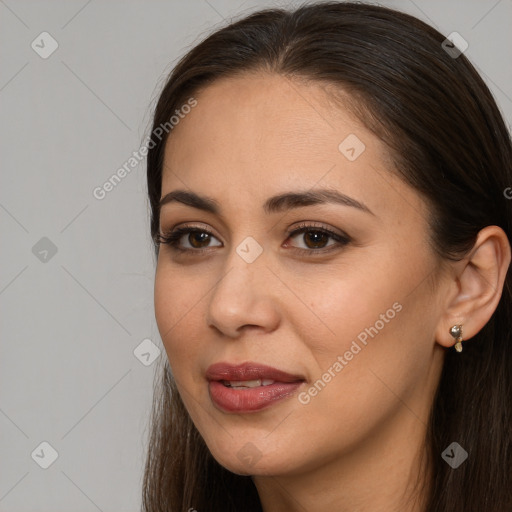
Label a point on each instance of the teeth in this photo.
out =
(245, 383)
(248, 383)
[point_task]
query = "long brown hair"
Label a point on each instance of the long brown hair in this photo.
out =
(448, 140)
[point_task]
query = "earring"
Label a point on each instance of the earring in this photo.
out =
(456, 332)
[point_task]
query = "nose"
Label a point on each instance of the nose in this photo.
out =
(244, 298)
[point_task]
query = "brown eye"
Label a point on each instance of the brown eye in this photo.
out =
(315, 239)
(198, 239)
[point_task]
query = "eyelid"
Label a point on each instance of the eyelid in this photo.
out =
(172, 236)
(312, 225)
(176, 232)
(200, 226)
(340, 238)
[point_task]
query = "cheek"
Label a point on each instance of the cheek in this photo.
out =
(343, 305)
(166, 305)
(176, 301)
(366, 318)
(365, 297)
(373, 355)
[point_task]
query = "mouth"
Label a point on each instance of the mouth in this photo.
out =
(244, 384)
(249, 387)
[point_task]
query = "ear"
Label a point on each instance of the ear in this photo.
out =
(475, 286)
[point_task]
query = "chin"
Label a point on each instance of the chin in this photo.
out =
(251, 465)
(252, 455)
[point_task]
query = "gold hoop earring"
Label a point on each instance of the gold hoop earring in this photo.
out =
(456, 332)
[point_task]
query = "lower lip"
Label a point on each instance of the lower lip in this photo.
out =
(250, 399)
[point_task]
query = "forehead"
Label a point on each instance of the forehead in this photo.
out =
(260, 110)
(256, 135)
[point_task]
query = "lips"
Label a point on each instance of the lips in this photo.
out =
(249, 387)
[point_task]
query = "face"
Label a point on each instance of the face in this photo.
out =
(296, 328)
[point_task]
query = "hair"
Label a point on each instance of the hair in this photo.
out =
(447, 139)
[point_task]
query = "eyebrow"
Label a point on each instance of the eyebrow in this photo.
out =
(274, 204)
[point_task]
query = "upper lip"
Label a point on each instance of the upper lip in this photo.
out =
(248, 371)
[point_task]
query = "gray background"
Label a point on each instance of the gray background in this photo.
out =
(71, 321)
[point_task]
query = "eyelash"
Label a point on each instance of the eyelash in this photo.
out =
(173, 237)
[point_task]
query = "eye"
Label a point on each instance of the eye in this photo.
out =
(198, 239)
(315, 239)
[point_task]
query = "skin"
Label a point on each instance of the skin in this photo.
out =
(357, 445)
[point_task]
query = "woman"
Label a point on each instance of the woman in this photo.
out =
(332, 230)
